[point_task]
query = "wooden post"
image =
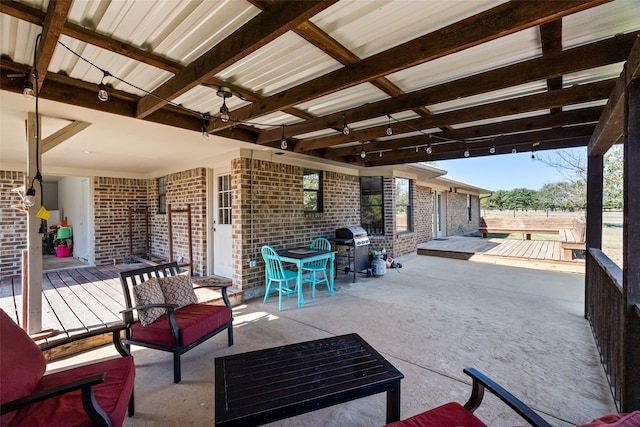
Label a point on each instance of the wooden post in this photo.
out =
(34, 240)
(631, 249)
(25, 289)
(593, 238)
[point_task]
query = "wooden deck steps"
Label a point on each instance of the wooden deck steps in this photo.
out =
(545, 254)
(82, 299)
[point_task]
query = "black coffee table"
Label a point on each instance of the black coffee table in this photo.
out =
(263, 386)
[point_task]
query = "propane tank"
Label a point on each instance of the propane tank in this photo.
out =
(379, 267)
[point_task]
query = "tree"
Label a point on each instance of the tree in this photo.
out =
(572, 164)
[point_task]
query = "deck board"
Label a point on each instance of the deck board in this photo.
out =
(76, 300)
(515, 251)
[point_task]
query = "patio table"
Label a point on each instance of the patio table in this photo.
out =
(268, 385)
(301, 256)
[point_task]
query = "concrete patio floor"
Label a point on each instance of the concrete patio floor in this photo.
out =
(524, 328)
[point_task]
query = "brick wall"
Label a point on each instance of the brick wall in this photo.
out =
(112, 199)
(182, 189)
(457, 221)
(13, 225)
(274, 191)
(423, 213)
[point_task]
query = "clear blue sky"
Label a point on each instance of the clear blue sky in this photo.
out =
(504, 171)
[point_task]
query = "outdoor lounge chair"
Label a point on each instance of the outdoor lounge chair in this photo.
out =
(169, 315)
(93, 394)
(454, 414)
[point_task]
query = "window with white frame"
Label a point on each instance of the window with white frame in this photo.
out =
(404, 222)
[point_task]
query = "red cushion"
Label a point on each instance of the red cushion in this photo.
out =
(194, 321)
(22, 363)
(112, 395)
(448, 415)
(616, 420)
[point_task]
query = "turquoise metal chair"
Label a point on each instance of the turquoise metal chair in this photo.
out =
(274, 272)
(320, 266)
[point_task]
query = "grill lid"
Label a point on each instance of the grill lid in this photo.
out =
(351, 232)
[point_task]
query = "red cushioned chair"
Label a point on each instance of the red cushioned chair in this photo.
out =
(456, 415)
(181, 328)
(94, 394)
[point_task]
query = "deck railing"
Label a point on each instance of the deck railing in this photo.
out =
(605, 311)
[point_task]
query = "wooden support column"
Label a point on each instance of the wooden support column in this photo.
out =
(34, 239)
(631, 249)
(595, 180)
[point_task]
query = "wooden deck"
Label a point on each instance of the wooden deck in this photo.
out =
(77, 300)
(544, 254)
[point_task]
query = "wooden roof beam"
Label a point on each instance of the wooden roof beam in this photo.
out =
(262, 29)
(574, 95)
(497, 22)
(54, 20)
(604, 52)
(611, 124)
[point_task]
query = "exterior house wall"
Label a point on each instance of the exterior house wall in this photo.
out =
(182, 189)
(458, 223)
(423, 213)
(269, 195)
(13, 225)
(112, 199)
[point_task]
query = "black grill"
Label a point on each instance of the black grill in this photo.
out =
(356, 243)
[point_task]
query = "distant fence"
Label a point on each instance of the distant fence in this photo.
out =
(608, 217)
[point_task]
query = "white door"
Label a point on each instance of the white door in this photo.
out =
(221, 218)
(439, 214)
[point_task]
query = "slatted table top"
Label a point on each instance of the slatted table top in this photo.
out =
(263, 386)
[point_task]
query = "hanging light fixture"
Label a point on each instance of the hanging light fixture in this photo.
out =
(283, 140)
(533, 156)
(389, 130)
(103, 95)
(363, 154)
(466, 152)
(345, 128)
(492, 150)
(429, 149)
(380, 154)
(224, 93)
(513, 150)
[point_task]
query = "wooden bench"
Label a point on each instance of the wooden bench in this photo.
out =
(571, 230)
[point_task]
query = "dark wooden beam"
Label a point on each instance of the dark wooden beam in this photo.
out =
(497, 22)
(574, 95)
(54, 21)
(631, 248)
(262, 29)
(488, 132)
(83, 94)
(605, 52)
(410, 156)
(611, 125)
(526, 141)
(551, 40)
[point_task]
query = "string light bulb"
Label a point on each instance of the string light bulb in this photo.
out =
(205, 127)
(513, 150)
(380, 154)
(345, 128)
(533, 156)
(429, 149)
(28, 90)
(30, 197)
(492, 150)
(466, 152)
(283, 140)
(103, 95)
(389, 130)
(363, 154)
